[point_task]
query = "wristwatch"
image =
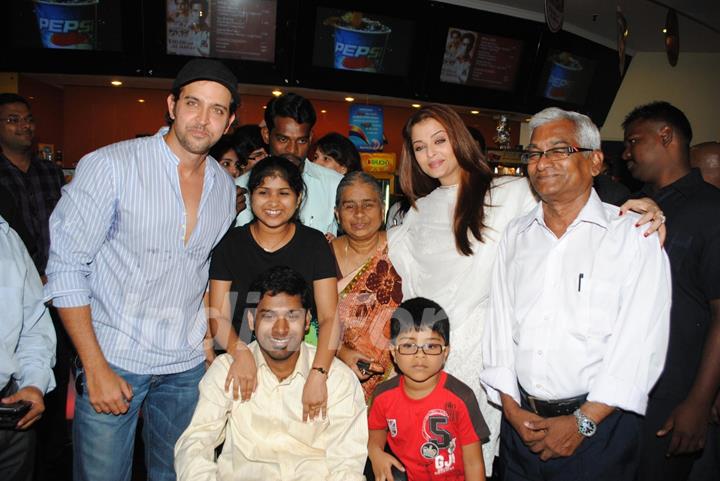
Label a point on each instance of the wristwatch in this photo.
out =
(586, 426)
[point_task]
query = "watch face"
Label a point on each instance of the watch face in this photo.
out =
(587, 427)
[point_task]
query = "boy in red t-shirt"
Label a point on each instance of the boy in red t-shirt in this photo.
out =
(431, 420)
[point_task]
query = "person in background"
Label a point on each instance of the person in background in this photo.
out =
(27, 354)
(478, 137)
(289, 122)
(430, 418)
(225, 153)
(706, 157)
(267, 437)
(35, 186)
(250, 146)
(338, 153)
(128, 270)
(657, 149)
(273, 238)
(578, 319)
(369, 287)
(608, 189)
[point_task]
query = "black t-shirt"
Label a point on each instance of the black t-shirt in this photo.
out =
(238, 258)
(692, 208)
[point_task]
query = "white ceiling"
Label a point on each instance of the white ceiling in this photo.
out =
(595, 19)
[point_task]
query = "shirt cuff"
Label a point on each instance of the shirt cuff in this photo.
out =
(42, 379)
(498, 380)
(69, 299)
(618, 393)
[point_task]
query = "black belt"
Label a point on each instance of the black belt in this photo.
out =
(9, 389)
(551, 409)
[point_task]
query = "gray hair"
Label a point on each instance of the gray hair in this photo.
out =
(586, 131)
(357, 177)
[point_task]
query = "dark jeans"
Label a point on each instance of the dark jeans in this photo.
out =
(654, 465)
(707, 468)
(53, 435)
(610, 455)
(17, 455)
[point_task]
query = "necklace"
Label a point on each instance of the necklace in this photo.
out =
(276, 245)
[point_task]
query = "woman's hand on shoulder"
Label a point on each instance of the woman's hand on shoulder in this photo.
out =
(242, 375)
(650, 214)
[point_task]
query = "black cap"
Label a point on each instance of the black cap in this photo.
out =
(206, 69)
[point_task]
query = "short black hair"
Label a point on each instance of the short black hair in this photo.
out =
(478, 136)
(417, 314)
(272, 166)
(247, 140)
(10, 98)
(225, 143)
(290, 105)
(281, 280)
(662, 112)
(341, 149)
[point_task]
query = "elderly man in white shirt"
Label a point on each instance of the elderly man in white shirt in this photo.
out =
(265, 438)
(579, 320)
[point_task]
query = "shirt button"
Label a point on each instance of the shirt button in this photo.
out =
(539, 353)
(539, 386)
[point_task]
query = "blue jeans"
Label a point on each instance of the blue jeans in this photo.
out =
(103, 443)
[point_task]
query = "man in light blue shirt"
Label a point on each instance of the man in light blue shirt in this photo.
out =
(289, 122)
(27, 352)
(130, 249)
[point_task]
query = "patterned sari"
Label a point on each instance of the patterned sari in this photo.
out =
(366, 302)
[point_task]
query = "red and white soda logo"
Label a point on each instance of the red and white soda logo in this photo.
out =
(63, 33)
(358, 56)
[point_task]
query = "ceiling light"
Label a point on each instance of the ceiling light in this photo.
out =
(474, 112)
(349, 99)
(116, 83)
(664, 30)
(142, 101)
(277, 93)
(264, 107)
(416, 106)
(323, 111)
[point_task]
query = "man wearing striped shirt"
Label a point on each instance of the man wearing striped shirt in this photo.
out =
(130, 247)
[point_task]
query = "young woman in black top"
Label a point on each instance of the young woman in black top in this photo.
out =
(273, 238)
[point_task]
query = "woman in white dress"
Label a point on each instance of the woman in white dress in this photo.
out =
(445, 248)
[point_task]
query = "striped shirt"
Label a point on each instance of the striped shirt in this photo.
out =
(117, 244)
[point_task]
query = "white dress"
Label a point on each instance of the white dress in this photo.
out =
(423, 252)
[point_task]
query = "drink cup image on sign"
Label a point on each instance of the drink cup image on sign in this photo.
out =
(564, 75)
(359, 42)
(67, 24)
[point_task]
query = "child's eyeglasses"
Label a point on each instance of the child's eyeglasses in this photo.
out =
(430, 349)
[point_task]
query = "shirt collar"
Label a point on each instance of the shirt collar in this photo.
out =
(302, 366)
(4, 226)
(686, 185)
(592, 212)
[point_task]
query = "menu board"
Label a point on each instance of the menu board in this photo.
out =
(233, 29)
(480, 60)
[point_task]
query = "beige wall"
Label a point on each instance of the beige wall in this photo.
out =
(8, 82)
(693, 86)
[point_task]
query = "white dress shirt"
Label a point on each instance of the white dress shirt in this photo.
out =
(318, 205)
(265, 437)
(585, 313)
(27, 337)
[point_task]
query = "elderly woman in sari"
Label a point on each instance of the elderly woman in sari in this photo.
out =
(368, 286)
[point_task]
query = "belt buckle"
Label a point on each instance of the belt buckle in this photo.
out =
(531, 403)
